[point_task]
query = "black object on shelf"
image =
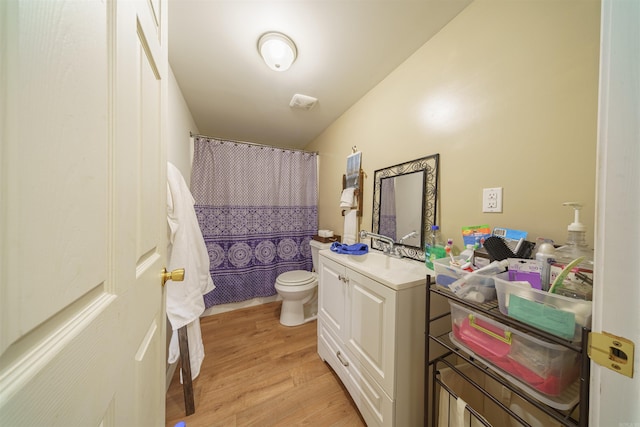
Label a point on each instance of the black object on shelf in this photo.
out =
(498, 249)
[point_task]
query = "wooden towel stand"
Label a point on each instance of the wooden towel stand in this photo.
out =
(187, 382)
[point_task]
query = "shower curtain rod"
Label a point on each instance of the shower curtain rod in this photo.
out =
(253, 143)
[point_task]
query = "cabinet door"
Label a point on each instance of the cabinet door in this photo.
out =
(370, 329)
(332, 294)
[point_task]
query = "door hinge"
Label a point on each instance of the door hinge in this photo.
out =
(613, 352)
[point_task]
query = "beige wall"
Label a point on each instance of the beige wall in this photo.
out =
(179, 146)
(179, 152)
(506, 93)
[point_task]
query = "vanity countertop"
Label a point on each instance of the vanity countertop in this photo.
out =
(395, 273)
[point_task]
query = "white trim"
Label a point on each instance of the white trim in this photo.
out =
(616, 280)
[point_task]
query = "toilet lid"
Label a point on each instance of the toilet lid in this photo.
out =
(296, 278)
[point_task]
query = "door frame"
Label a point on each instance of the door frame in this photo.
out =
(616, 281)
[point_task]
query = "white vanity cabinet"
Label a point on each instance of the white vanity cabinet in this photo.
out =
(371, 332)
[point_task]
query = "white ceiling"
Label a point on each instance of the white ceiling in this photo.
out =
(345, 48)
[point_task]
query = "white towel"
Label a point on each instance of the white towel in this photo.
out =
(186, 250)
(461, 405)
(350, 227)
(196, 348)
(347, 198)
(452, 411)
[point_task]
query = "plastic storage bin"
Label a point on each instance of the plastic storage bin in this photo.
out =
(540, 365)
(559, 315)
(483, 284)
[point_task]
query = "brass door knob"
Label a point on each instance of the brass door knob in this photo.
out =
(176, 275)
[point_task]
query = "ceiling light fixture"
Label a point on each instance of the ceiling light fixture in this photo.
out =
(277, 50)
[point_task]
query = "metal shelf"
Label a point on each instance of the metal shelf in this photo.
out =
(491, 310)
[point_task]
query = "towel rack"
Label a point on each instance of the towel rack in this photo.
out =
(187, 381)
(357, 192)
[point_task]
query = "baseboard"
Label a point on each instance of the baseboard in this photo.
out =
(223, 308)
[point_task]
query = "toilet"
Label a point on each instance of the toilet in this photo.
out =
(298, 290)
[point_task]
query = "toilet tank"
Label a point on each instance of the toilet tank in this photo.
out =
(315, 248)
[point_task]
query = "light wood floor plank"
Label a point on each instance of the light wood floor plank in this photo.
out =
(257, 372)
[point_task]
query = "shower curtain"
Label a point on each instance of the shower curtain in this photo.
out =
(257, 209)
(388, 208)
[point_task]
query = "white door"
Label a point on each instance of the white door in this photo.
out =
(614, 397)
(82, 216)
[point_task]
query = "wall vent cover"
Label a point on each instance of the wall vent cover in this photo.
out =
(303, 102)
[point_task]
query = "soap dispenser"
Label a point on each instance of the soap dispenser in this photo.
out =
(576, 245)
(568, 278)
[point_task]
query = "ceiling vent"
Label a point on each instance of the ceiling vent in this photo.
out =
(303, 102)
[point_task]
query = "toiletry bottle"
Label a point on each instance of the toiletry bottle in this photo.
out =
(576, 241)
(435, 247)
(575, 248)
(545, 257)
(467, 254)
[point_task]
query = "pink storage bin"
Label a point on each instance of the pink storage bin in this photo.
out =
(545, 367)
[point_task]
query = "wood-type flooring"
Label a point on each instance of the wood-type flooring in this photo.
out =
(257, 372)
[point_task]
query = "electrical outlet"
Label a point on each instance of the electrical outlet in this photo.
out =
(492, 199)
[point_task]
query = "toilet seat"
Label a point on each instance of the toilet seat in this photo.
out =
(296, 278)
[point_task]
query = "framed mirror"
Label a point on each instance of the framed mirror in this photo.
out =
(404, 204)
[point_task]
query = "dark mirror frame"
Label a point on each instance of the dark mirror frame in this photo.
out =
(429, 165)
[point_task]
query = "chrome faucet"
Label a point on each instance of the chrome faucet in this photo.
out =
(412, 234)
(389, 248)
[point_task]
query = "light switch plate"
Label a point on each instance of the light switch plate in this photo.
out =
(492, 199)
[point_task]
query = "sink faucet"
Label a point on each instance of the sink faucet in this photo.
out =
(389, 248)
(412, 234)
